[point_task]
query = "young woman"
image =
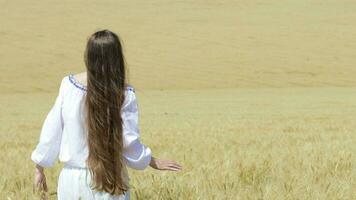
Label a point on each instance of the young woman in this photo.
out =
(93, 129)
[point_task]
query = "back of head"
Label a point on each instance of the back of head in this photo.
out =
(106, 83)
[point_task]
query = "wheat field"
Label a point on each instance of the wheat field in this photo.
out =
(255, 99)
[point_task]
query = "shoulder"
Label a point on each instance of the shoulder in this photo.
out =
(130, 96)
(65, 84)
(130, 93)
(64, 81)
(130, 88)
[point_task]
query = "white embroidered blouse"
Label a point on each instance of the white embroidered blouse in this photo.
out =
(63, 136)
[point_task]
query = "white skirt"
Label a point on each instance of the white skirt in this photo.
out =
(73, 184)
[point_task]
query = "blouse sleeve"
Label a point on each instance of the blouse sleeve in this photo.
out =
(46, 152)
(136, 154)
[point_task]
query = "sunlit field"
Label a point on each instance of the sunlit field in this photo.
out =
(255, 99)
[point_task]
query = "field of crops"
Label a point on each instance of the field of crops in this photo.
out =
(255, 99)
(233, 144)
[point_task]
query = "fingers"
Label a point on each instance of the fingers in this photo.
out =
(45, 187)
(40, 185)
(171, 165)
(172, 168)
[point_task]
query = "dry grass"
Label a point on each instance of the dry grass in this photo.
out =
(291, 143)
(255, 99)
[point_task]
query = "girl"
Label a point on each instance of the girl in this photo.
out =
(93, 129)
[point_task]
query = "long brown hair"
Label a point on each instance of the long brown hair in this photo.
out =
(106, 82)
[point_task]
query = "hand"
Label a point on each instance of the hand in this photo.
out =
(40, 184)
(160, 164)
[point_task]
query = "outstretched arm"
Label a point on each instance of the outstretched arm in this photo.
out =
(136, 154)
